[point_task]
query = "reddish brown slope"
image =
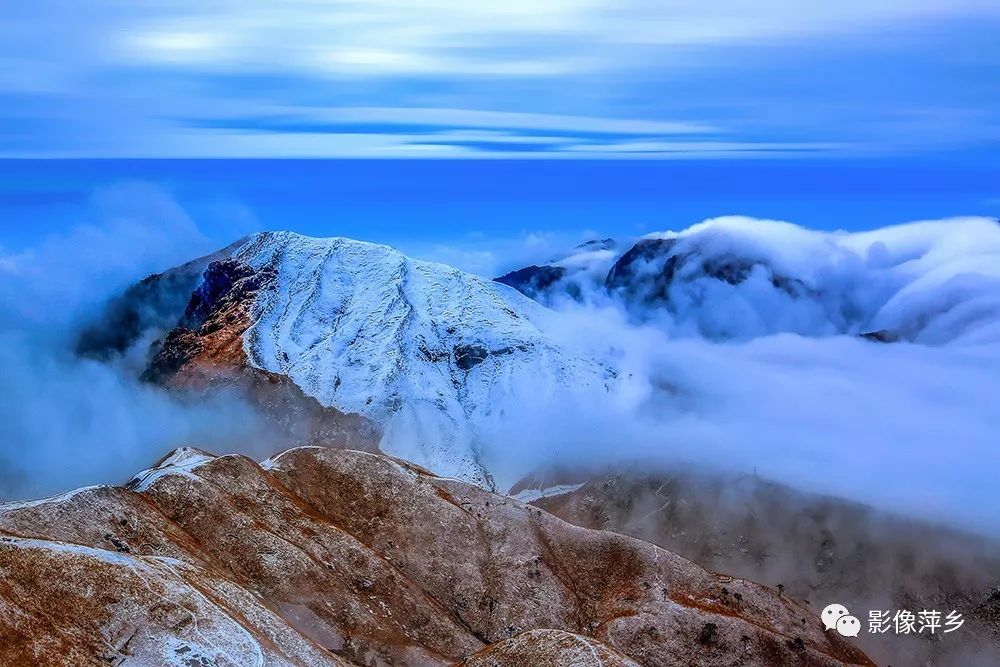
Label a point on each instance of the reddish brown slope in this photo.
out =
(205, 351)
(328, 557)
(817, 549)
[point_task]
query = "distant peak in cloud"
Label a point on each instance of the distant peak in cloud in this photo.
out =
(735, 277)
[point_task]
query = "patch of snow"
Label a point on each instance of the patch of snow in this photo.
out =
(112, 557)
(271, 462)
(59, 498)
(181, 461)
(531, 495)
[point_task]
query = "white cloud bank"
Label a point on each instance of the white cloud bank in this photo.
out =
(911, 427)
(931, 282)
(67, 421)
(908, 427)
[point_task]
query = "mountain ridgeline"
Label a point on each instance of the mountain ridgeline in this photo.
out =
(323, 557)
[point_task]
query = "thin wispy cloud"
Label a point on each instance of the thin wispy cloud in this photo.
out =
(120, 79)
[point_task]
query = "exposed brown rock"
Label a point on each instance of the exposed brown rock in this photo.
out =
(326, 557)
(209, 338)
(70, 605)
(205, 351)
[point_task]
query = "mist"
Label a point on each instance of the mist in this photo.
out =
(66, 421)
(794, 394)
(906, 427)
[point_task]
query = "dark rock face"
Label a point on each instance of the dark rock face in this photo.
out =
(631, 268)
(226, 282)
(211, 329)
(334, 557)
(155, 303)
(533, 280)
(880, 336)
(468, 357)
(648, 272)
(180, 346)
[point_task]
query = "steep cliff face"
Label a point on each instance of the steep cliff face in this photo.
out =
(205, 351)
(335, 557)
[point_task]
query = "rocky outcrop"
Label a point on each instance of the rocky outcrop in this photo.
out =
(629, 268)
(575, 274)
(151, 306)
(533, 280)
(205, 351)
(332, 557)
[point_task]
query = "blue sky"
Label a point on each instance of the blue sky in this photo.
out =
(448, 78)
(835, 115)
(485, 216)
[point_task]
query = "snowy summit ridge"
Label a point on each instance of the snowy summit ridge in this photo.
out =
(421, 348)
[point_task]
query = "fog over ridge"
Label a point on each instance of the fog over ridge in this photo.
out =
(907, 426)
(734, 277)
(67, 421)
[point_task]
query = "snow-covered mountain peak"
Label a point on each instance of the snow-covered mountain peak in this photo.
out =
(423, 349)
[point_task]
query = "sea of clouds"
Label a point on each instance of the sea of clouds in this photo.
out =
(67, 421)
(932, 282)
(742, 377)
(749, 377)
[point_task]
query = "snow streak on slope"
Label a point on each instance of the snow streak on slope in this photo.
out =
(422, 348)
